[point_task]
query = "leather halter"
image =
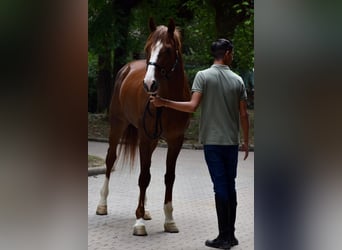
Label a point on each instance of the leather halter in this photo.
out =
(163, 72)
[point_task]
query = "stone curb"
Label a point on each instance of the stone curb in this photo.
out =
(96, 171)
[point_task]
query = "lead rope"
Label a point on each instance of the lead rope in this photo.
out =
(158, 124)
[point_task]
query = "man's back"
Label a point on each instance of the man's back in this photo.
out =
(222, 91)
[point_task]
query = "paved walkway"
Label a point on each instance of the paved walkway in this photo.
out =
(193, 202)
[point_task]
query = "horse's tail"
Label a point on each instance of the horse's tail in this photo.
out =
(128, 145)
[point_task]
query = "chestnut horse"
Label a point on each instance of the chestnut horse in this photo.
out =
(134, 121)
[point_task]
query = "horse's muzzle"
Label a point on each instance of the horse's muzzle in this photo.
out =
(152, 88)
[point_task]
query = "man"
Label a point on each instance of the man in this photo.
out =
(222, 95)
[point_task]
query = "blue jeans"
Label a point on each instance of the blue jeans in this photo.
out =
(222, 164)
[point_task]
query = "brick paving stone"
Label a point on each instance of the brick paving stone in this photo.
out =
(193, 203)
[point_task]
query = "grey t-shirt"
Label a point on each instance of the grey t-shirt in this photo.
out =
(222, 91)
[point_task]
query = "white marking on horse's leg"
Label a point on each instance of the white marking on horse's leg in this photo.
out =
(139, 222)
(170, 224)
(168, 212)
(102, 206)
(104, 192)
(147, 215)
(149, 77)
(139, 228)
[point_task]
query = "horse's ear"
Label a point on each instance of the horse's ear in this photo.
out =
(171, 27)
(152, 24)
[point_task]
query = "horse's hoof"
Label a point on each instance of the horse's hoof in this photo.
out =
(139, 230)
(171, 227)
(101, 210)
(147, 216)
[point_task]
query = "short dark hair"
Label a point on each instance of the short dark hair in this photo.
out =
(220, 46)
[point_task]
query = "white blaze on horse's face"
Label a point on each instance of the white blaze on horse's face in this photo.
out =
(150, 83)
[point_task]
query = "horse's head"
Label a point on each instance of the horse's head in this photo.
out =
(162, 54)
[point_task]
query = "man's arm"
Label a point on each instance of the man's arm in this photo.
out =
(188, 107)
(245, 126)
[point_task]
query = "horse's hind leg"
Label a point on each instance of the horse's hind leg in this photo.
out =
(146, 149)
(174, 147)
(115, 134)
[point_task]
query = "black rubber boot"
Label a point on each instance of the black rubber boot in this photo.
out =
(223, 218)
(233, 239)
(218, 243)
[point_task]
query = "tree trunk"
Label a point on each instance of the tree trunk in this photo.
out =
(103, 82)
(226, 18)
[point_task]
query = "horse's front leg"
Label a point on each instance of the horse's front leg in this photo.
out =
(139, 228)
(174, 147)
(144, 180)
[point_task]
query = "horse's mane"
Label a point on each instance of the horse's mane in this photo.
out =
(161, 33)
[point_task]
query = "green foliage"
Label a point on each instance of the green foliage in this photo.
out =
(100, 26)
(199, 32)
(243, 38)
(196, 18)
(138, 33)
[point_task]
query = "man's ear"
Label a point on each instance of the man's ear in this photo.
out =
(227, 53)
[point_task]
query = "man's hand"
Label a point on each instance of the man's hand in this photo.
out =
(157, 101)
(245, 148)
